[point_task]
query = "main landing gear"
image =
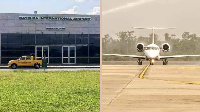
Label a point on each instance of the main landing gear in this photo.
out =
(165, 62)
(139, 62)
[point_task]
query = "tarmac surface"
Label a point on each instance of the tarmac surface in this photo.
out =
(165, 88)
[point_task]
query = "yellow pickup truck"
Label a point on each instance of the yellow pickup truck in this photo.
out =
(25, 61)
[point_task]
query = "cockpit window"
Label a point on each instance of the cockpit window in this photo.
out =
(151, 48)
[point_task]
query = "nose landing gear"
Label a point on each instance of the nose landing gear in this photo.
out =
(165, 62)
(151, 61)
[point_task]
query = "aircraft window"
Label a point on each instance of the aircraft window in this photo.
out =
(147, 48)
(154, 48)
(151, 48)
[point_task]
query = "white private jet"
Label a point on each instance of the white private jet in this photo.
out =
(152, 51)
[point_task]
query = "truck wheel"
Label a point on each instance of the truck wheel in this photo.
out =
(37, 66)
(14, 66)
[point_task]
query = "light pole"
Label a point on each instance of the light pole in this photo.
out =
(35, 12)
(127, 47)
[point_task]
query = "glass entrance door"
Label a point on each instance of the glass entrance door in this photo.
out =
(68, 54)
(41, 51)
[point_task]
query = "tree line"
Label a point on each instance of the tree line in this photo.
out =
(126, 43)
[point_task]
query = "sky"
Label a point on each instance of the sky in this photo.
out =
(123, 15)
(51, 6)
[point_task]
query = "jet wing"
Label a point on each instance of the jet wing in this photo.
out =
(177, 56)
(121, 55)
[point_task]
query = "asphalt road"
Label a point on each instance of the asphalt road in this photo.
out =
(170, 88)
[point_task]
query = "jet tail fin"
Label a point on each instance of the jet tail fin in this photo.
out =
(153, 31)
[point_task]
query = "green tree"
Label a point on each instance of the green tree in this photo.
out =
(167, 37)
(185, 35)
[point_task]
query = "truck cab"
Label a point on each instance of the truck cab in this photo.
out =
(25, 61)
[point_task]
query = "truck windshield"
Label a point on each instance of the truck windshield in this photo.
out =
(22, 58)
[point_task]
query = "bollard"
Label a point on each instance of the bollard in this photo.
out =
(44, 63)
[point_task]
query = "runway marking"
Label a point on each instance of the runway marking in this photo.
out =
(143, 72)
(194, 83)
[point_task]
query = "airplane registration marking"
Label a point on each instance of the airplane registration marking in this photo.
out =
(142, 74)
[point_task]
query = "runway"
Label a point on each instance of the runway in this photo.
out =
(169, 88)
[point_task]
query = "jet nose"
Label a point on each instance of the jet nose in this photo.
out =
(151, 56)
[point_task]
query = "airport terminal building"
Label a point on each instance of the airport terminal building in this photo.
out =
(62, 38)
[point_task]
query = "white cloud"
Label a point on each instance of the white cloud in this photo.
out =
(96, 11)
(129, 5)
(79, 0)
(84, 0)
(70, 11)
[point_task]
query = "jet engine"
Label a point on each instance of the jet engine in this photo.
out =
(165, 47)
(140, 47)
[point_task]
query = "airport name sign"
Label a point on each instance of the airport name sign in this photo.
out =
(55, 28)
(55, 18)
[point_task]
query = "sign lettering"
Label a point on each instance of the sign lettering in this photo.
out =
(55, 28)
(55, 18)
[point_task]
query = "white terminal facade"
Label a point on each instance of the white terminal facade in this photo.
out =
(62, 38)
